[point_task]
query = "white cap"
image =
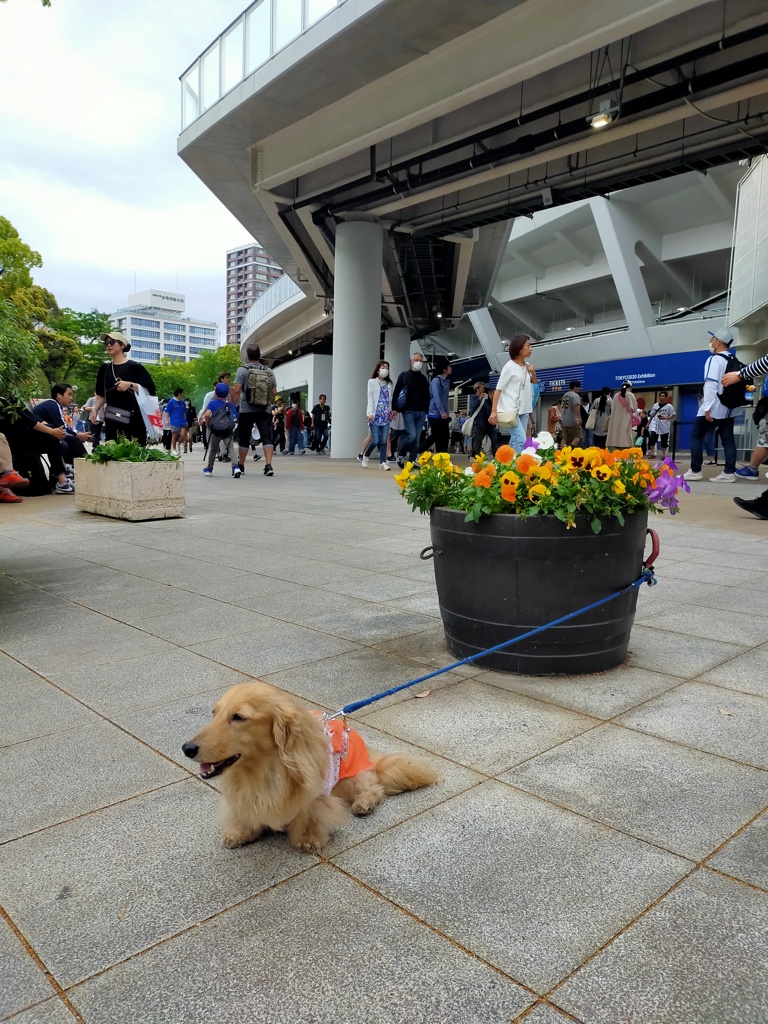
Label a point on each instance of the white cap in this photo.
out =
(724, 335)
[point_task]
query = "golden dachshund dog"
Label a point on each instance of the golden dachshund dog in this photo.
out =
(280, 768)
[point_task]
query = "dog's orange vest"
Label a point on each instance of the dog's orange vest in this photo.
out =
(357, 759)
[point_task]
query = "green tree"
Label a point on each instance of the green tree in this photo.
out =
(168, 375)
(208, 366)
(20, 375)
(16, 260)
(81, 325)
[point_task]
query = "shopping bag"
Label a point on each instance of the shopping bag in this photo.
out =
(150, 412)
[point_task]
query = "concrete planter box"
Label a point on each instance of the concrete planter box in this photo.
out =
(130, 490)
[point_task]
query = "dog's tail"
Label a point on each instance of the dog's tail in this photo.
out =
(398, 773)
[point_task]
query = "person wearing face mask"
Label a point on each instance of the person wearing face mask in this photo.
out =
(712, 411)
(379, 412)
(411, 397)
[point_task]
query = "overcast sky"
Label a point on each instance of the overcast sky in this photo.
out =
(89, 175)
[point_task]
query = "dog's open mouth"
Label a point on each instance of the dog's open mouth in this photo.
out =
(211, 770)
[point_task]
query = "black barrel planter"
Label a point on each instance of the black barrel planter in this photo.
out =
(504, 576)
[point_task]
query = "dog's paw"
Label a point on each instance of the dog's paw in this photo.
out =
(360, 808)
(312, 844)
(231, 838)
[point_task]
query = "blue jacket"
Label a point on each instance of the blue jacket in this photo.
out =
(438, 397)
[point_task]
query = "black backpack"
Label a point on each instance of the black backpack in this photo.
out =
(222, 422)
(735, 395)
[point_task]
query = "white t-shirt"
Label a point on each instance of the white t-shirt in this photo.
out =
(515, 389)
(662, 417)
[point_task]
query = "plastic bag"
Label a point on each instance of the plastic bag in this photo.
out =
(150, 413)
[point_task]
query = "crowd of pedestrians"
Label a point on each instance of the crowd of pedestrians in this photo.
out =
(405, 416)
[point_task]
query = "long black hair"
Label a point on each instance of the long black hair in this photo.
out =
(604, 393)
(375, 374)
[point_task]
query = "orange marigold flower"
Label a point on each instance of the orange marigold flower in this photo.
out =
(508, 491)
(526, 463)
(607, 457)
(483, 479)
(505, 454)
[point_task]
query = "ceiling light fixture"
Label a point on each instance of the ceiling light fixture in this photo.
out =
(604, 116)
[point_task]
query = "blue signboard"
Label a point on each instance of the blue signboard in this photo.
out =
(647, 372)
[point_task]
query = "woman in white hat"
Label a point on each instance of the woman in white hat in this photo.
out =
(117, 384)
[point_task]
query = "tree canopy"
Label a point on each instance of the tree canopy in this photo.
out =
(42, 344)
(16, 260)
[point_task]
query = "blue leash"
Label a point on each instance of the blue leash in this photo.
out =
(645, 577)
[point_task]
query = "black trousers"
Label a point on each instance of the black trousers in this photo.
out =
(440, 433)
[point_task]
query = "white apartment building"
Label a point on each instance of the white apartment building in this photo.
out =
(154, 323)
(250, 271)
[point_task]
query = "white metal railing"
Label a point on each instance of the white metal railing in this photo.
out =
(281, 291)
(261, 31)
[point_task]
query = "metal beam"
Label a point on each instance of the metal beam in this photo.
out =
(579, 252)
(530, 263)
(679, 289)
(515, 315)
(724, 203)
(575, 307)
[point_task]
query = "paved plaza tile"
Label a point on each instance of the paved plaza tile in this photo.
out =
(317, 948)
(23, 982)
(531, 888)
(544, 879)
(684, 800)
(700, 955)
(746, 856)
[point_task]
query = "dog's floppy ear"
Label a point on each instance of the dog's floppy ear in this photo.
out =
(296, 735)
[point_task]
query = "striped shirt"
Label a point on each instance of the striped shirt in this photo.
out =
(757, 369)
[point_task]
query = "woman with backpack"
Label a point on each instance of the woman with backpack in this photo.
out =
(625, 419)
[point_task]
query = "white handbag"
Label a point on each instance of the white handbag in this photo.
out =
(469, 423)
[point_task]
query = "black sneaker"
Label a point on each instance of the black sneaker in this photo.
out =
(268, 471)
(753, 507)
(256, 456)
(391, 458)
(360, 459)
(237, 471)
(400, 462)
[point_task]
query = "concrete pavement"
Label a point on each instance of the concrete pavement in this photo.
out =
(594, 852)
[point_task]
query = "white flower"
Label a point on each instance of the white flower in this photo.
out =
(545, 439)
(469, 471)
(533, 453)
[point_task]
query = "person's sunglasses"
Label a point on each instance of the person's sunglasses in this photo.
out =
(110, 342)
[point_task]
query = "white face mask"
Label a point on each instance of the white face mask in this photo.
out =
(417, 365)
(383, 371)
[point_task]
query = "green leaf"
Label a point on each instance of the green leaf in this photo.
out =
(596, 525)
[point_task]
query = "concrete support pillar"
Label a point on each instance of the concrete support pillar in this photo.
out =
(618, 236)
(356, 329)
(397, 349)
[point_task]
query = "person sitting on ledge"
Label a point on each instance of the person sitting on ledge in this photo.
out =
(51, 412)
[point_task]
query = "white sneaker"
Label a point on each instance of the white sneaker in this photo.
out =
(690, 475)
(364, 462)
(384, 466)
(724, 478)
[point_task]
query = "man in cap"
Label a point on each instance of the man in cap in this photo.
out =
(712, 411)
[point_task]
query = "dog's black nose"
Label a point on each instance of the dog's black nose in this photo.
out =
(190, 749)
